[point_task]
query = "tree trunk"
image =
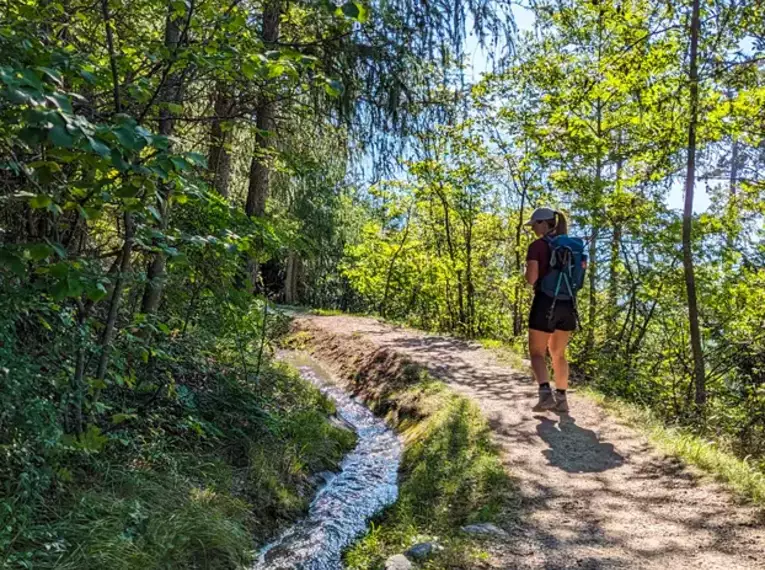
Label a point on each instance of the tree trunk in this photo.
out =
(171, 94)
(453, 257)
(290, 280)
(613, 282)
(219, 158)
(517, 317)
(257, 191)
(613, 277)
(690, 279)
(732, 209)
(595, 222)
(392, 264)
(114, 305)
(469, 287)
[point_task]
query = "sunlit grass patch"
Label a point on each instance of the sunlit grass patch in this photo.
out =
(510, 355)
(326, 312)
(451, 475)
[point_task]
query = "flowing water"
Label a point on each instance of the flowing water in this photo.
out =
(367, 483)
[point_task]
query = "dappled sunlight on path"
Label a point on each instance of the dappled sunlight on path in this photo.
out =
(594, 493)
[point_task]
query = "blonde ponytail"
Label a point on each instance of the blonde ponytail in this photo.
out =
(561, 225)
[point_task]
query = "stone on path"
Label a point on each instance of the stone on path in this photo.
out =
(485, 529)
(398, 562)
(422, 551)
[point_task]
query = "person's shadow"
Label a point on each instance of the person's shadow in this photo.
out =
(575, 449)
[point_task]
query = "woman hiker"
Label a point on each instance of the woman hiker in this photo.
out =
(546, 330)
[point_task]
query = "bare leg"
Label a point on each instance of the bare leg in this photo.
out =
(557, 343)
(538, 341)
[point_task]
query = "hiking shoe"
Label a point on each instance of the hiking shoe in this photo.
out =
(546, 401)
(561, 404)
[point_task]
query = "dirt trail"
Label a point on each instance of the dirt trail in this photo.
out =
(594, 492)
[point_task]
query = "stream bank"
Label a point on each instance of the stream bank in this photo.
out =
(451, 471)
(366, 483)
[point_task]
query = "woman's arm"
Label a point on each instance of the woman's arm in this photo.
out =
(532, 271)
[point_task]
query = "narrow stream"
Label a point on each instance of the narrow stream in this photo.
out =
(367, 482)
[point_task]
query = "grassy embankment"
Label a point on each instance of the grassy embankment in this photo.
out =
(451, 473)
(193, 478)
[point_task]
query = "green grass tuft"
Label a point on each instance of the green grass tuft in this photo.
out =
(510, 355)
(451, 475)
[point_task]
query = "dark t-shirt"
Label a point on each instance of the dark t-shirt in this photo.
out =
(539, 251)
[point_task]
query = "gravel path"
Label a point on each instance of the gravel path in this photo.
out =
(595, 494)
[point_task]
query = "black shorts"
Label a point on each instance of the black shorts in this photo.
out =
(563, 317)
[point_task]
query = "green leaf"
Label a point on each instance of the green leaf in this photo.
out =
(127, 138)
(197, 159)
(39, 251)
(248, 69)
(98, 147)
(88, 76)
(118, 162)
(363, 16)
(155, 213)
(276, 70)
(127, 191)
(52, 74)
(175, 108)
(59, 136)
(59, 249)
(62, 103)
(179, 163)
(12, 262)
(30, 78)
(40, 201)
(90, 213)
(120, 418)
(351, 10)
(92, 440)
(97, 292)
(334, 88)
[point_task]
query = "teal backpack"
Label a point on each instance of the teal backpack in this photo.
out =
(568, 264)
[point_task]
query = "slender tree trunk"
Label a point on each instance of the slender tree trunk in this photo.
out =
(592, 270)
(732, 209)
(690, 279)
(453, 258)
(155, 273)
(257, 192)
(392, 264)
(78, 379)
(114, 305)
(112, 60)
(127, 247)
(258, 187)
(613, 281)
(290, 280)
(613, 277)
(517, 317)
(219, 158)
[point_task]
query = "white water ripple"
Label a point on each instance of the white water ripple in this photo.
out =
(366, 484)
